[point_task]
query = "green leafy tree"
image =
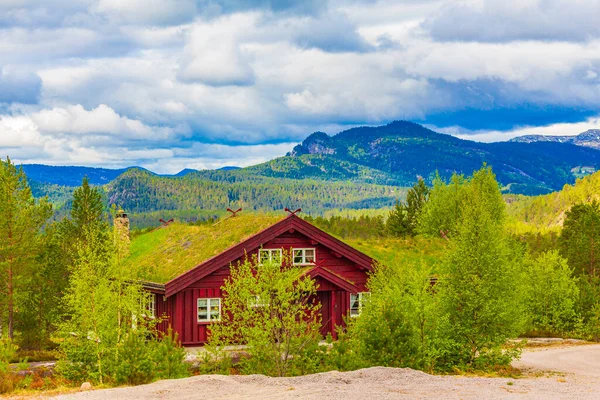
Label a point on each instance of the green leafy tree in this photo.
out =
(105, 307)
(398, 326)
(580, 244)
(552, 295)
(479, 284)
(21, 219)
(270, 307)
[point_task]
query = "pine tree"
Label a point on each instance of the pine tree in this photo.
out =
(397, 223)
(21, 218)
(416, 198)
(87, 208)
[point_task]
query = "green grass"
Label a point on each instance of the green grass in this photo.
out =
(410, 250)
(167, 252)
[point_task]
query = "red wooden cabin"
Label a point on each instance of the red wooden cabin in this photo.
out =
(192, 301)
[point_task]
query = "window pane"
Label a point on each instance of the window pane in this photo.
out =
(354, 305)
(215, 313)
(263, 255)
(202, 310)
(309, 255)
(276, 255)
(298, 258)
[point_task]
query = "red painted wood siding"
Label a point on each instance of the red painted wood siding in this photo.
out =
(184, 303)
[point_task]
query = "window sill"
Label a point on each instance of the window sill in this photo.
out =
(206, 322)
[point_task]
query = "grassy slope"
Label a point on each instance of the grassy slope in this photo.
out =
(412, 250)
(542, 213)
(165, 253)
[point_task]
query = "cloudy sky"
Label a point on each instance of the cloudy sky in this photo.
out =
(173, 84)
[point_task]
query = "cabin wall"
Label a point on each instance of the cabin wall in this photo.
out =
(184, 303)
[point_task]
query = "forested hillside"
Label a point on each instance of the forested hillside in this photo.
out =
(402, 150)
(139, 191)
(548, 211)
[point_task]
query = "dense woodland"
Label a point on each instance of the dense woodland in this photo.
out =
(458, 277)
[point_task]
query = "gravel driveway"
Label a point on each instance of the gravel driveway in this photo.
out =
(581, 381)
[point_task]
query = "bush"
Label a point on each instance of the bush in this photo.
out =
(8, 380)
(135, 365)
(169, 358)
(552, 295)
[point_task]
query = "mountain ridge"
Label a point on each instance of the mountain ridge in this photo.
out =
(396, 154)
(589, 138)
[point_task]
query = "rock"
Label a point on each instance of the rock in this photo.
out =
(85, 386)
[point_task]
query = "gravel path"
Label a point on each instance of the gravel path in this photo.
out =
(388, 383)
(577, 360)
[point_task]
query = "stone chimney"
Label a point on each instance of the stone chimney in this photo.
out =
(121, 225)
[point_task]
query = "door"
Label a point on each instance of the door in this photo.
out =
(325, 300)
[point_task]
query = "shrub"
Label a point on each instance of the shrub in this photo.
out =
(169, 358)
(134, 360)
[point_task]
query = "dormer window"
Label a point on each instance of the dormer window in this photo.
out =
(269, 255)
(304, 256)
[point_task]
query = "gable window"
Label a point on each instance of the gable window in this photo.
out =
(209, 310)
(357, 302)
(266, 255)
(304, 256)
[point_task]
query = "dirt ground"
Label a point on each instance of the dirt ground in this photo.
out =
(552, 373)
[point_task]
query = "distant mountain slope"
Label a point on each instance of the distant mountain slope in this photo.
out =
(589, 138)
(399, 152)
(141, 191)
(70, 176)
(548, 211)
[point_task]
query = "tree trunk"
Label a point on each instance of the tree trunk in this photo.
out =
(10, 291)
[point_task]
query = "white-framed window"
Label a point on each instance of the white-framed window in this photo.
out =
(151, 306)
(267, 255)
(357, 301)
(209, 310)
(304, 256)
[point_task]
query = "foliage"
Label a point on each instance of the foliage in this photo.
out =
(403, 219)
(580, 244)
(548, 211)
(21, 218)
(271, 308)
(580, 238)
(479, 284)
(398, 327)
(105, 306)
(141, 191)
(134, 363)
(552, 295)
(169, 357)
(7, 351)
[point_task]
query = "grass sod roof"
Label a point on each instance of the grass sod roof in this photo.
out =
(167, 252)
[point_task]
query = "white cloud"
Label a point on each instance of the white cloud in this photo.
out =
(102, 119)
(501, 20)
(146, 11)
(213, 54)
(134, 80)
